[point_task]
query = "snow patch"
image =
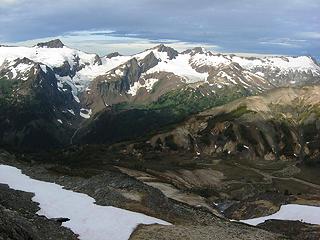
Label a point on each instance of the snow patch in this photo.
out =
(85, 113)
(21, 69)
(14, 73)
(43, 68)
(71, 111)
(225, 75)
(293, 212)
(180, 66)
(209, 60)
(148, 84)
(119, 72)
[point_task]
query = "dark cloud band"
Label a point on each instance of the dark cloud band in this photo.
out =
(236, 25)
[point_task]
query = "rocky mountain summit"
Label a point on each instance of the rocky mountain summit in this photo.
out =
(56, 43)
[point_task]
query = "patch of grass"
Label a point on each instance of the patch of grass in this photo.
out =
(309, 173)
(292, 187)
(232, 172)
(264, 165)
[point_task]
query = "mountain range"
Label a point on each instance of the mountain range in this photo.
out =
(52, 95)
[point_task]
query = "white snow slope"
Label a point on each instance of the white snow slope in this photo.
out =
(295, 212)
(90, 221)
(52, 57)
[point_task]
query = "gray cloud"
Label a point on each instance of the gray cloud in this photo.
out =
(235, 25)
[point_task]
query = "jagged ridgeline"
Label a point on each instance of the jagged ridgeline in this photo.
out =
(52, 95)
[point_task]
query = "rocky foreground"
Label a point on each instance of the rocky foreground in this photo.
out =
(18, 219)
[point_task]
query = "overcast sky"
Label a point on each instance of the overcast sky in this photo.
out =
(262, 26)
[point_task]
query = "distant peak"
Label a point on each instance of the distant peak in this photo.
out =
(199, 50)
(172, 53)
(196, 50)
(114, 54)
(56, 43)
(162, 48)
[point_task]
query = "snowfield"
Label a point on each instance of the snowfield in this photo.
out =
(52, 57)
(148, 84)
(284, 64)
(294, 212)
(88, 220)
(180, 66)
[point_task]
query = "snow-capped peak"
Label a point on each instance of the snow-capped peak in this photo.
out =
(172, 53)
(52, 57)
(161, 52)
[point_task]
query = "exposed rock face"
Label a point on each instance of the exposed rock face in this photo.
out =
(289, 78)
(170, 51)
(149, 62)
(113, 87)
(32, 106)
(195, 50)
(217, 232)
(66, 70)
(56, 43)
(110, 90)
(97, 60)
(114, 54)
(7, 73)
(218, 75)
(294, 229)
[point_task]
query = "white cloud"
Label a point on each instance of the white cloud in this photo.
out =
(106, 41)
(284, 42)
(310, 35)
(7, 2)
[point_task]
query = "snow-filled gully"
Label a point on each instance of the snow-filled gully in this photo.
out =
(88, 220)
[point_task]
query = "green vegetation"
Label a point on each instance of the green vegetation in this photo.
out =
(193, 100)
(6, 87)
(241, 110)
(26, 117)
(183, 102)
(163, 114)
